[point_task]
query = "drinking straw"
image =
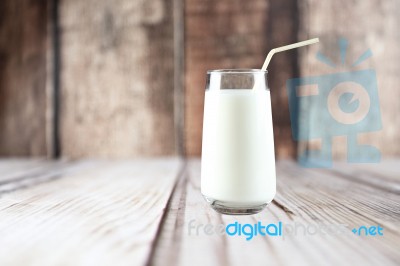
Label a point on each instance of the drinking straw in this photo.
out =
(284, 48)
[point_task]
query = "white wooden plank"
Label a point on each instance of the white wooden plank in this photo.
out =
(319, 195)
(25, 170)
(201, 249)
(307, 197)
(170, 232)
(9, 166)
(384, 175)
(109, 212)
(104, 214)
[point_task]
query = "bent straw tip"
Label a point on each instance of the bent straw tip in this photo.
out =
(287, 47)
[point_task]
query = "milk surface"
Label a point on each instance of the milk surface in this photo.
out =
(238, 161)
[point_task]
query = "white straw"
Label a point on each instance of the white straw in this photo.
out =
(286, 47)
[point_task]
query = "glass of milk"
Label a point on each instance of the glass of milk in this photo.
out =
(238, 161)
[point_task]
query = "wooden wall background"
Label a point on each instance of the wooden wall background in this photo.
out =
(238, 34)
(130, 75)
(23, 102)
(117, 79)
(371, 24)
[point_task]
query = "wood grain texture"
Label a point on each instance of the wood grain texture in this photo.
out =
(85, 213)
(305, 196)
(23, 35)
(366, 25)
(95, 212)
(239, 34)
(117, 80)
(168, 243)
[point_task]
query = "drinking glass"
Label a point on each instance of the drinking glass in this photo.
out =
(238, 160)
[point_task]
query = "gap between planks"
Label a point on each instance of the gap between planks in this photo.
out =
(104, 213)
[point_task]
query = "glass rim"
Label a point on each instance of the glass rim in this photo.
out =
(238, 71)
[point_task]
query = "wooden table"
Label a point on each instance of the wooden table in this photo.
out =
(140, 212)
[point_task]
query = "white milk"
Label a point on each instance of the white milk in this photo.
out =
(238, 161)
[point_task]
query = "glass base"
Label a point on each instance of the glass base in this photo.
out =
(230, 208)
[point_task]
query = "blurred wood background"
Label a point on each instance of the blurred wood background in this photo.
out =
(126, 78)
(117, 79)
(23, 103)
(371, 24)
(239, 35)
